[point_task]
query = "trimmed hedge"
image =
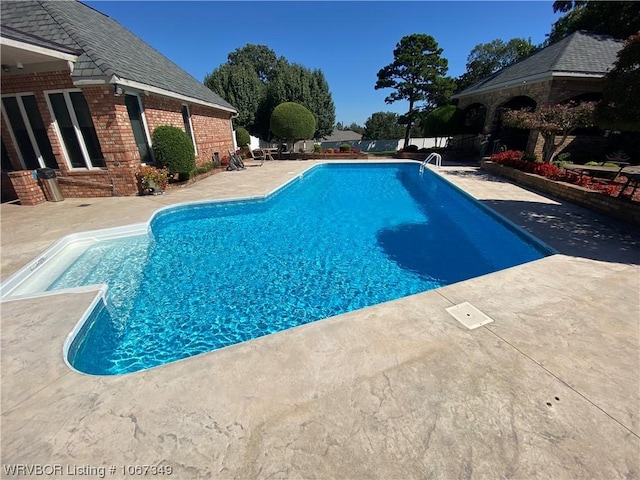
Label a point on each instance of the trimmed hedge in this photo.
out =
(173, 149)
(292, 121)
(242, 137)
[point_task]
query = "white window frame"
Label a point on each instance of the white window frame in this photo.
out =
(144, 122)
(76, 127)
(191, 130)
(27, 123)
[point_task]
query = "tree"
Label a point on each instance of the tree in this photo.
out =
(552, 121)
(618, 19)
(292, 122)
(255, 81)
(296, 83)
(442, 122)
(487, 58)
(383, 126)
(259, 57)
(354, 127)
(241, 87)
(417, 75)
(620, 105)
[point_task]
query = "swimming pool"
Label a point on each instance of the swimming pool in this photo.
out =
(339, 238)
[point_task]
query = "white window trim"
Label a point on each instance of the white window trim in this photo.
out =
(27, 123)
(191, 130)
(144, 122)
(76, 128)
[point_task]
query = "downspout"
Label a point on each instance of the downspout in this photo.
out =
(233, 137)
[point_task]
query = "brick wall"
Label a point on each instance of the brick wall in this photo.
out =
(612, 206)
(27, 187)
(211, 127)
(212, 130)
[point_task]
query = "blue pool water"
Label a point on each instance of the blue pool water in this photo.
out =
(340, 238)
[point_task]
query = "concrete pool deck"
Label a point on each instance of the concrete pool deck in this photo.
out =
(551, 389)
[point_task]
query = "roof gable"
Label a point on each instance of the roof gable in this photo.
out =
(107, 47)
(581, 53)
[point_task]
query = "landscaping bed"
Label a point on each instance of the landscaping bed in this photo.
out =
(596, 194)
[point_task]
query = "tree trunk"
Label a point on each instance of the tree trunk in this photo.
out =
(409, 123)
(548, 148)
(406, 135)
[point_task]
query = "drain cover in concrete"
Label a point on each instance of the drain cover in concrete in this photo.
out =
(468, 315)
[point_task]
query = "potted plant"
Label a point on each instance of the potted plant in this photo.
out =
(152, 180)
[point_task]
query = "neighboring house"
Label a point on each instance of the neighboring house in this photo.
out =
(343, 136)
(571, 69)
(337, 138)
(82, 94)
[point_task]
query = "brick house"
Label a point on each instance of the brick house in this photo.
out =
(571, 69)
(81, 94)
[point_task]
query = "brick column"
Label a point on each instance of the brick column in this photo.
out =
(26, 187)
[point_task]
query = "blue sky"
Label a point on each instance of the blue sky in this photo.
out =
(348, 41)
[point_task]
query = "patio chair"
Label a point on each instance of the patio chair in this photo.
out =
(257, 155)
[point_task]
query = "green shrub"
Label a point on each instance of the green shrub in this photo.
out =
(345, 147)
(173, 149)
(204, 168)
(317, 148)
(600, 164)
(529, 157)
(242, 137)
(561, 160)
(292, 122)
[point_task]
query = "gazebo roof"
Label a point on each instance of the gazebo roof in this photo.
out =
(581, 54)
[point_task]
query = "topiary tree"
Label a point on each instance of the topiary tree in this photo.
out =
(242, 137)
(292, 122)
(173, 149)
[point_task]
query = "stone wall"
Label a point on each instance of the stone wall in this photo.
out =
(549, 91)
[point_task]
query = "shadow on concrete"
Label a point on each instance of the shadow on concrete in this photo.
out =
(573, 230)
(569, 228)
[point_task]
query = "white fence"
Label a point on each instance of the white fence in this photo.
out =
(389, 145)
(362, 145)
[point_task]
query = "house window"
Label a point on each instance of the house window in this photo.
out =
(4, 156)
(139, 127)
(188, 126)
(76, 130)
(28, 132)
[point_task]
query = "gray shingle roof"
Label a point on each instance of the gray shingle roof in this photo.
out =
(12, 33)
(107, 47)
(342, 136)
(581, 53)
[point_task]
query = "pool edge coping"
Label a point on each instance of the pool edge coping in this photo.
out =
(94, 236)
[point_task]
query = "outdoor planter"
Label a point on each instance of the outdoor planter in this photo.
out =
(152, 180)
(615, 207)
